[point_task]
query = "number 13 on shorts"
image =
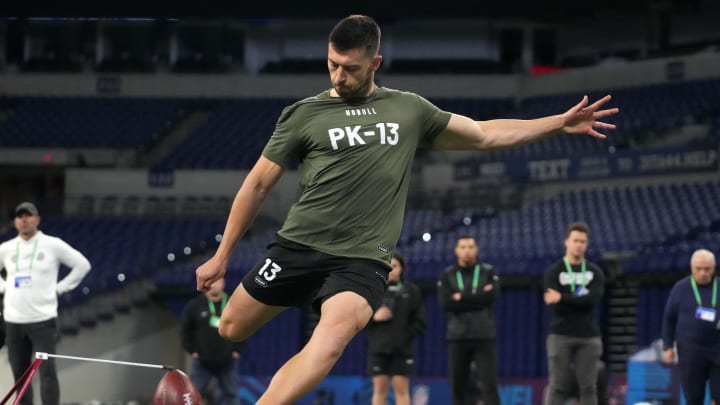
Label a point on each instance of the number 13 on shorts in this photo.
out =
(270, 270)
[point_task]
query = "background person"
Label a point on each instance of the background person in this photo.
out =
(574, 288)
(32, 261)
(691, 321)
(212, 356)
(467, 293)
(399, 319)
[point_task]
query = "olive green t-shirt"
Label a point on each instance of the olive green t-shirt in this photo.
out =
(355, 160)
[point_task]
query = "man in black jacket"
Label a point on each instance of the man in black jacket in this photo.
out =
(389, 334)
(574, 288)
(467, 292)
(213, 356)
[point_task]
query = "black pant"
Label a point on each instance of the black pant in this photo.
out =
(460, 354)
(23, 340)
(699, 366)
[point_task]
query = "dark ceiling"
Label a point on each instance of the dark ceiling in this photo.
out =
(556, 10)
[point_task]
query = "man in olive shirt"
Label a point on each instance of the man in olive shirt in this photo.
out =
(356, 143)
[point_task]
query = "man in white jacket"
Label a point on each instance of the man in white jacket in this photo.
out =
(32, 261)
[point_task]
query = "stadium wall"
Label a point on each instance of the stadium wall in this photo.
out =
(656, 71)
(102, 182)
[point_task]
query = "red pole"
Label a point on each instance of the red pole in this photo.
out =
(25, 380)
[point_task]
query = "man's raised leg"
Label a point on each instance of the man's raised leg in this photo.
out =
(342, 316)
(243, 315)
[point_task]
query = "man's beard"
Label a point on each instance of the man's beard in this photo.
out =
(359, 91)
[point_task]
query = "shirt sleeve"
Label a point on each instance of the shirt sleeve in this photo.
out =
(596, 290)
(434, 121)
(550, 280)
(482, 298)
(79, 266)
(670, 319)
(419, 322)
(285, 144)
(444, 291)
(238, 346)
(2, 266)
(187, 327)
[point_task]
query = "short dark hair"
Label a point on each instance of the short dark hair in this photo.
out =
(578, 226)
(400, 258)
(461, 237)
(354, 32)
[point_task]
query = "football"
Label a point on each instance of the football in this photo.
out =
(175, 388)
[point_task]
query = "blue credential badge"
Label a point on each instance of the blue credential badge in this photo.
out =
(23, 281)
(705, 314)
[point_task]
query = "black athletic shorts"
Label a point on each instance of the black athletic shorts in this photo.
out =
(290, 273)
(390, 364)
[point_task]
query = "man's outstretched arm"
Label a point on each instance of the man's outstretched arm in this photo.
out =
(245, 208)
(462, 133)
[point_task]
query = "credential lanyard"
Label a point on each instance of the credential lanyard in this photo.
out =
(222, 305)
(476, 278)
(583, 269)
(697, 293)
(17, 255)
